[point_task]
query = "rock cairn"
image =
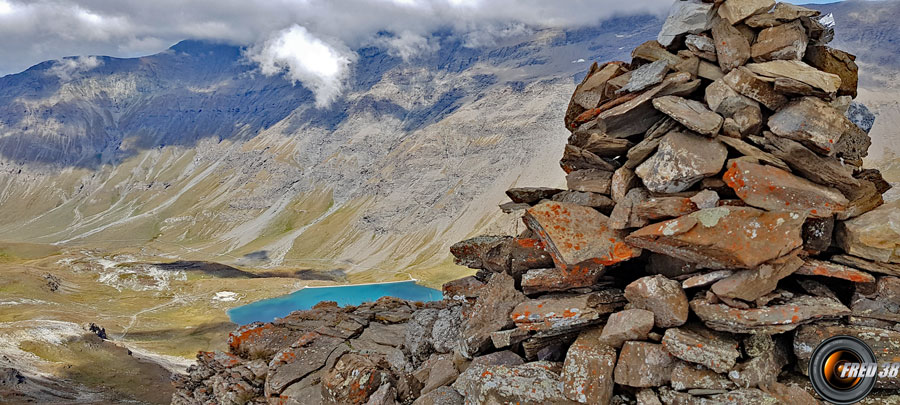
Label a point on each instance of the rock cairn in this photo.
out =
(716, 226)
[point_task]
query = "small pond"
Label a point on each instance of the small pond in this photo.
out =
(306, 298)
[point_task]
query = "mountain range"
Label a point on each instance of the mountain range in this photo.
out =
(193, 154)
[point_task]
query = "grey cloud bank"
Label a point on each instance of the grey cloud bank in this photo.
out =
(309, 41)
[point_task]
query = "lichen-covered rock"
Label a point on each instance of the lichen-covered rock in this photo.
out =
(643, 364)
(578, 238)
(813, 123)
(490, 313)
(771, 319)
(565, 312)
(693, 376)
(630, 324)
(724, 237)
(748, 285)
(587, 373)
(531, 383)
(700, 345)
(354, 378)
(680, 161)
(662, 296)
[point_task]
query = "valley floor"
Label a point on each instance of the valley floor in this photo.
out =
(157, 314)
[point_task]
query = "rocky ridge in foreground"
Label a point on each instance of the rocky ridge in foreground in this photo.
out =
(717, 226)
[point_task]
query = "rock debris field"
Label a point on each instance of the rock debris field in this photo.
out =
(717, 225)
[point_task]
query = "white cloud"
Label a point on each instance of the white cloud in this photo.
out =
(304, 58)
(407, 44)
(69, 68)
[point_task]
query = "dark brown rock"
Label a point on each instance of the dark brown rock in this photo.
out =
(591, 180)
(786, 41)
(836, 62)
(657, 208)
(745, 82)
(732, 47)
(586, 199)
(531, 195)
(600, 144)
(817, 234)
(575, 158)
(883, 304)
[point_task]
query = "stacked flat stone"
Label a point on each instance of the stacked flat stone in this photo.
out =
(716, 226)
(717, 223)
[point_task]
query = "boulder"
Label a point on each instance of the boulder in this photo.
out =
(630, 324)
(812, 166)
(441, 396)
(745, 82)
(532, 383)
(623, 215)
(735, 11)
(724, 237)
(774, 189)
(659, 295)
(623, 180)
(732, 47)
(692, 16)
(767, 319)
(822, 268)
(749, 285)
(799, 71)
(697, 344)
(564, 312)
(645, 76)
(702, 46)
(643, 364)
(490, 313)
(781, 42)
(874, 235)
(591, 181)
(813, 123)
(692, 114)
(586, 199)
(354, 378)
(599, 143)
(694, 377)
(680, 161)
(783, 12)
(587, 373)
(836, 62)
(578, 238)
(883, 304)
(726, 101)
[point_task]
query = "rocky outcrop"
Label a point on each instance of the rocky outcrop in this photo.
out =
(710, 210)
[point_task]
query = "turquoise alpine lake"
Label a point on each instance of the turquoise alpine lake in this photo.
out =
(306, 298)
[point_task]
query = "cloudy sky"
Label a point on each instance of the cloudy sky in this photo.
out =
(310, 41)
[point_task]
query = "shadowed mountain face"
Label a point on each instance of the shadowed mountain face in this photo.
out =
(193, 153)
